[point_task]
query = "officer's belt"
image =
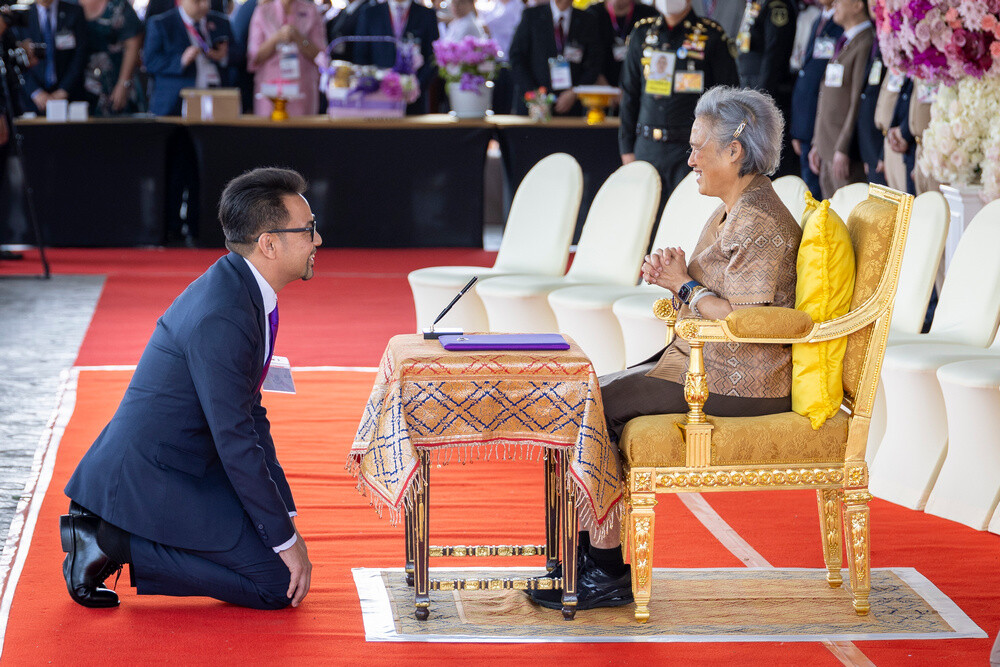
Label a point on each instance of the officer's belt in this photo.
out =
(666, 135)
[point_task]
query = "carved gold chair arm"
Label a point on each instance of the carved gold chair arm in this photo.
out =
(665, 311)
(769, 324)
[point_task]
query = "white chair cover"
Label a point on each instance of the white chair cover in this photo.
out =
(536, 239)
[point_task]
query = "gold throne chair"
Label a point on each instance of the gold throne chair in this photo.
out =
(696, 452)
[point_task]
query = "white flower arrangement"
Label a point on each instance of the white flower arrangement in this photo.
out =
(963, 118)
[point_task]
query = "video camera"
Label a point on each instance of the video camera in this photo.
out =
(14, 13)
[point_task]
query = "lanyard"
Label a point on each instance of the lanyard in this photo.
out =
(198, 38)
(614, 20)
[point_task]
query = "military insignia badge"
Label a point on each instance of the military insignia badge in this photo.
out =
(779, 16)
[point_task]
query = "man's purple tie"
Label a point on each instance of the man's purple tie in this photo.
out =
(839, 45)
(272, 321)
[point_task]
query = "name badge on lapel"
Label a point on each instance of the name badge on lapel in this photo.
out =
(834, 77)
(894, 82)
(562, 78)
(573, 53)
(691, 81)
(279, 376)
(925, 93)
(618, 50)
(65, 40)
(660, 73)
(288, 63)
(875, 75)
(823, 48)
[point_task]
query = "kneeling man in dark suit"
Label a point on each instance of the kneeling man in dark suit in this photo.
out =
(184, 483)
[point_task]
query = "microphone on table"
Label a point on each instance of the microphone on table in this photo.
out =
(431, 333)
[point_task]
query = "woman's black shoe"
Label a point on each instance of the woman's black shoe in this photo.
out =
(594, 588)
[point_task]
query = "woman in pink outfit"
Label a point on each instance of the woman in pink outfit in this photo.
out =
(285, 38)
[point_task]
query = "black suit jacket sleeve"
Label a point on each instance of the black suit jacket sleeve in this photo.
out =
(720, 63)
(631, 85)
(779, 41)
(263, 428)
(72, 78)
(221, 358)
(583, 30)
(520, 58)
(157, 58)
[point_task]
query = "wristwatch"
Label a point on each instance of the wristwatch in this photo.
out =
(684, 293)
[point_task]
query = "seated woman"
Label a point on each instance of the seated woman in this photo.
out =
(745, 257)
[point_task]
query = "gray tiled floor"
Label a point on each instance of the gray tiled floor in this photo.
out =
(42, 324)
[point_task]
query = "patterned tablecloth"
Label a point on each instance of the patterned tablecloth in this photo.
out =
(490, 404)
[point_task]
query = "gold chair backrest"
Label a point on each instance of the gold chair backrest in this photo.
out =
(878, 229)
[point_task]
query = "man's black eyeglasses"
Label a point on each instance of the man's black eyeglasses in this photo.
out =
(311, 229)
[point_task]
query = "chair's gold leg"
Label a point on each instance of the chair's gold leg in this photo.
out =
(551, 510)
(858, 551)
(421, 551)
(830, 529)
(408, 528)
(641, 518)
(570, 537)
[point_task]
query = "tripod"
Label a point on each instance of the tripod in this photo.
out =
(17, 138)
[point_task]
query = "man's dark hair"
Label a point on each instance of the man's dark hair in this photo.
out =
(252, 203)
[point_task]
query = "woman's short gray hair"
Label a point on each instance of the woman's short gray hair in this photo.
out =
(751, 118)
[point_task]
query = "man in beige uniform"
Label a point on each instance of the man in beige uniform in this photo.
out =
(920, 118)
(834, 155)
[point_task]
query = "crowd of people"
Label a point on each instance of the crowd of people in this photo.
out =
(852, 119)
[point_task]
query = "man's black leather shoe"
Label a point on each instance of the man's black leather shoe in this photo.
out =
(594, 588)
(86, 566)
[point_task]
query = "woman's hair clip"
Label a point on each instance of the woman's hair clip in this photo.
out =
(739, 130)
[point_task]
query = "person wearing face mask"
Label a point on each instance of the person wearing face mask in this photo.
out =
(411, 23)
(657, 107)
(765, 43)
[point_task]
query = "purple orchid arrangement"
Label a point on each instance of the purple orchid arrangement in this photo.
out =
(939, 41)
(470, 62)
(399, 87)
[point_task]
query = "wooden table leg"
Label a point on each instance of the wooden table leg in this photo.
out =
(570, 536)
(408, 528)
(421, 551)
(552, 505)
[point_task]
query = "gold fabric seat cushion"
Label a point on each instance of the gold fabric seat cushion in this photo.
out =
(786, 437)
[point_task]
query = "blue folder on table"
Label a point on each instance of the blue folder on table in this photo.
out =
(504, 342)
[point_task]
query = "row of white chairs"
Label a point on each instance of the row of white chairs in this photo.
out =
(600, 306)
(934, 444)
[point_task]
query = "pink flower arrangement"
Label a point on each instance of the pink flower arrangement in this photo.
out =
(939, 41)
(469, 62)
(399, 87)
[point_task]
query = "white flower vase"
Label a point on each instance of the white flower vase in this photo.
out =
(964, 202)
(469, 103)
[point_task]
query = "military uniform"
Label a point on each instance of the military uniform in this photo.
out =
(664, 74)
(765, 43)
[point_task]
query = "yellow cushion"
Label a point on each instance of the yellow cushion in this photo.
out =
(783, 438)
(811, 206)
(823, 289)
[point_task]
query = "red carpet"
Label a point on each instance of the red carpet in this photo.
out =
(344, 317)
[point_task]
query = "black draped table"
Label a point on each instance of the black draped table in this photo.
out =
(96, 183)
(523, 143)
(412, 182)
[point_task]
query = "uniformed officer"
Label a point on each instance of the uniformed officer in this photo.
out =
(765, 43)
(669, 62)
